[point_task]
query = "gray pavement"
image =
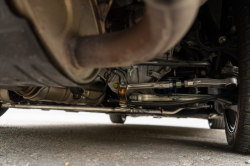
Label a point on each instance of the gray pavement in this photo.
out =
(30, 138)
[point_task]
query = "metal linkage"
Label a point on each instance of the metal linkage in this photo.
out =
(147, 111)
(156, 85)
(61, 107)
(174, 97)
(125, 110)
(150, 97)
(176, 63)
(227, 83)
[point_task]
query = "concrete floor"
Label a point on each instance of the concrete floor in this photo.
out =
(34, 137)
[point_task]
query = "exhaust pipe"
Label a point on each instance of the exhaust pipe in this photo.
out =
(165, 22)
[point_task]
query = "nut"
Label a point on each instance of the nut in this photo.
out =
(123, 84)
(133, 98)
(178, 84)
(186, 83)
(171, 84)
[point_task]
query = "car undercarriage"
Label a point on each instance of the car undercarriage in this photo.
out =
(173, 58)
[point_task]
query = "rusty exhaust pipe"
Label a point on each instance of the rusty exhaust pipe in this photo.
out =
(165, 22)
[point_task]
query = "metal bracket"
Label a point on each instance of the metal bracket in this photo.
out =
(226, 104)
(232, 107)
(129, 72)
(154, 74)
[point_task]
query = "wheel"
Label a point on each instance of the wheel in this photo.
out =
(2, 111)
(217, 123)
(117, 118)
(237, 125)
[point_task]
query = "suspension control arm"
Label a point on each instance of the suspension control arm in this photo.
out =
(227, 83)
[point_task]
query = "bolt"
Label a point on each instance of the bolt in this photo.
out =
(123, 105)
(236, 69)
(123, 84)
(174, 99)
(76, 96)
(167, 68)
(203, 72)
(106, 75)
(116, 85)
(229, 64)
(222, 40)
(108, 24)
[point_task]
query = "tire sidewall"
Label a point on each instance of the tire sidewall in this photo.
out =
(2, 111)
(231, 136)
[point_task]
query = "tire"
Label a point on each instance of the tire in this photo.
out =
(2, 111)
(237, 125)
(117, 118)
(217, 123)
